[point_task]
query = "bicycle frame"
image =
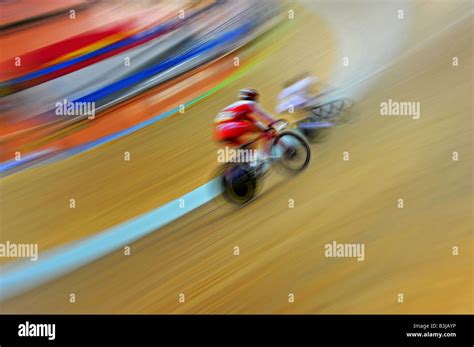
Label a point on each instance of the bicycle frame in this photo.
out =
(268, 136)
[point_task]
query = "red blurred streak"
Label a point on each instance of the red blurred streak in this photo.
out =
(34, 60)
(18, 43)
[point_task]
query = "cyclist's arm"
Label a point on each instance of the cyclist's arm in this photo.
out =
(266, 116)
(256, 122)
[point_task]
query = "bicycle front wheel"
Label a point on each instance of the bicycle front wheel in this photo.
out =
(292, 150)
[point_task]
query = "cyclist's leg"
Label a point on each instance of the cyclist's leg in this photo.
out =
(234, 134)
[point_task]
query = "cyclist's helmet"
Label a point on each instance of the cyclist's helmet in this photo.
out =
(248, 94)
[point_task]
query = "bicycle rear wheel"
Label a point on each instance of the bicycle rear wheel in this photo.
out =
(239, 184)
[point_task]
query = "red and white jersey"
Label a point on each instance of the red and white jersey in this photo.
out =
(244, 110)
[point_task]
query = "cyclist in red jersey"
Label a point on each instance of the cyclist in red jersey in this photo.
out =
(242, 118)
(239, 119)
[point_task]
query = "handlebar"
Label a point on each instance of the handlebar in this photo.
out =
(280, 125)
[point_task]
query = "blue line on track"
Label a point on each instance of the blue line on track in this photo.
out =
(21, 276)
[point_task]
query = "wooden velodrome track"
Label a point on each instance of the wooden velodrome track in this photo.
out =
(407, 250)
